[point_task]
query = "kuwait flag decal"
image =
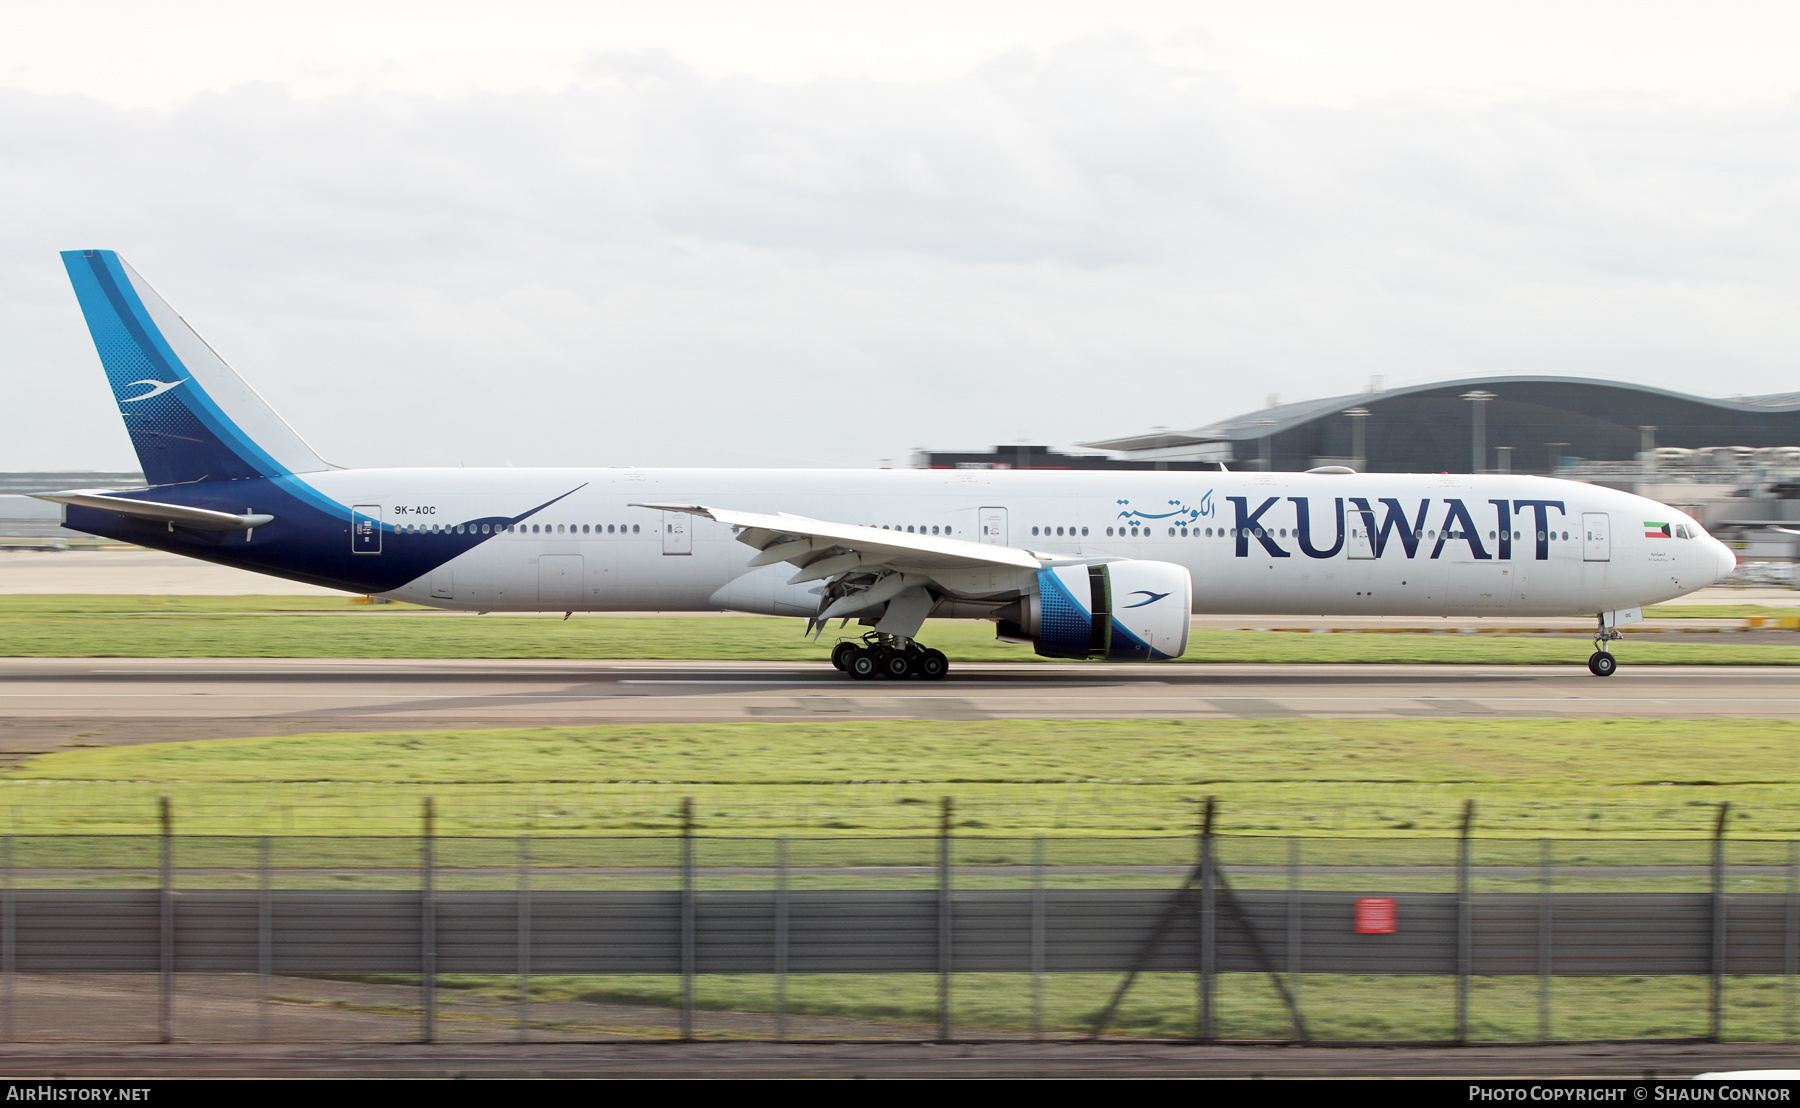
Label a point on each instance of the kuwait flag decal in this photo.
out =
(1657, 530)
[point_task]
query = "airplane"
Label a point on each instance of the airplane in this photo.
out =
(1105, 566)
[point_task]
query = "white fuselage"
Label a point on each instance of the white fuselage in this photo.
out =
(1426, 545)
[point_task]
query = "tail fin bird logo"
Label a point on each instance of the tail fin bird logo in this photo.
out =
(157, 388)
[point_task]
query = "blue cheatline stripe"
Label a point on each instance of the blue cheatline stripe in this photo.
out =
(115, 284)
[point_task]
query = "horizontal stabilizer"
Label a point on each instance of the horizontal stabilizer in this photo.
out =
(201, 519)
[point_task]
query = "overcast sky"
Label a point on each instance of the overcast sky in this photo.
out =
(825, 234)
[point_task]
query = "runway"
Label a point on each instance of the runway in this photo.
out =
(124, 701)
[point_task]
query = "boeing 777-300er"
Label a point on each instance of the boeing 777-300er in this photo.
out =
(1098, 565)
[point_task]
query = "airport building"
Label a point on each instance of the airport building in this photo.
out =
(1486, 424)
(1733, 463)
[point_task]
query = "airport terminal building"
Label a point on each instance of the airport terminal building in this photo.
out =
(1733, 463)
(1492, 424)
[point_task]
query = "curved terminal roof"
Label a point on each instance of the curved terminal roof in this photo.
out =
(1429, 427)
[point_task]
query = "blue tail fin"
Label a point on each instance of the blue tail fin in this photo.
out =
(190, 416)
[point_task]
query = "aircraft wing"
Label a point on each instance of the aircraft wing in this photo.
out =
(866, 567)
(801, 541)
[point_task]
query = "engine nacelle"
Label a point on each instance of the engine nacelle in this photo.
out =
(1130, 611)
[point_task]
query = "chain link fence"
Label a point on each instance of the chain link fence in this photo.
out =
(929, 938)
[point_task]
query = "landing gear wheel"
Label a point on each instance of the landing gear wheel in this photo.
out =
(860, 663)
(932, 665)
(896, 665)
(1602, 664)
(840, 654)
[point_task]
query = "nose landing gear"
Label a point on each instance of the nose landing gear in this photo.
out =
(884, 656)
(1601, 663)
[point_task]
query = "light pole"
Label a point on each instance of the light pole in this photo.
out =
(1504, 455)
(1357, 439)
(1478, 449)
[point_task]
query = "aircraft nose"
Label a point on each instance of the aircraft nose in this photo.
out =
(1727, 560)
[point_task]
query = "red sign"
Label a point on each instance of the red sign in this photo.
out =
(1377, 915)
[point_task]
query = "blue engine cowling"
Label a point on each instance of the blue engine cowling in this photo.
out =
(1130, 611)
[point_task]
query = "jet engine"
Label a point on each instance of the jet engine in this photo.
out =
(1129, 611)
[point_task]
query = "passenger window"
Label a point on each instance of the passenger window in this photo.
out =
(634, 528)
(1084, 532)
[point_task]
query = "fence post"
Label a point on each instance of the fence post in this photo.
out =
(523, 940)
(1294, 926)
(8, 944)
(1546, 936)
(428, 925)
(1715, 998)
(687, 918)
(1465, 945)
(1792, 943)
(944, 920)
(781, 935)
(1038, 936)
(265, 940)
(165, 986)
(1209, 918)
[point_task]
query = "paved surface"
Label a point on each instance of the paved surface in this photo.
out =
(994, 1060)
(131, 570)
(108, 701)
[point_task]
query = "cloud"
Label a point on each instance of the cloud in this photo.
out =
(662, 268)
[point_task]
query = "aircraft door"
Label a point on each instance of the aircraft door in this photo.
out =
(993, 526)
(365, 529)
(1595, 545)
(443, 584)
(559, 582)
(677, 537)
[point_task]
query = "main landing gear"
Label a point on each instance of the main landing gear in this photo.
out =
(1601, 663)
(884, 656)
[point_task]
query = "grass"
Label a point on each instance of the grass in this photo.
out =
(1575, 778)
(1112, 792)
(332, 627)
(1336, 1007)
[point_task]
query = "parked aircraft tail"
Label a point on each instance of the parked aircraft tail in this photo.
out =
(190, 416)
